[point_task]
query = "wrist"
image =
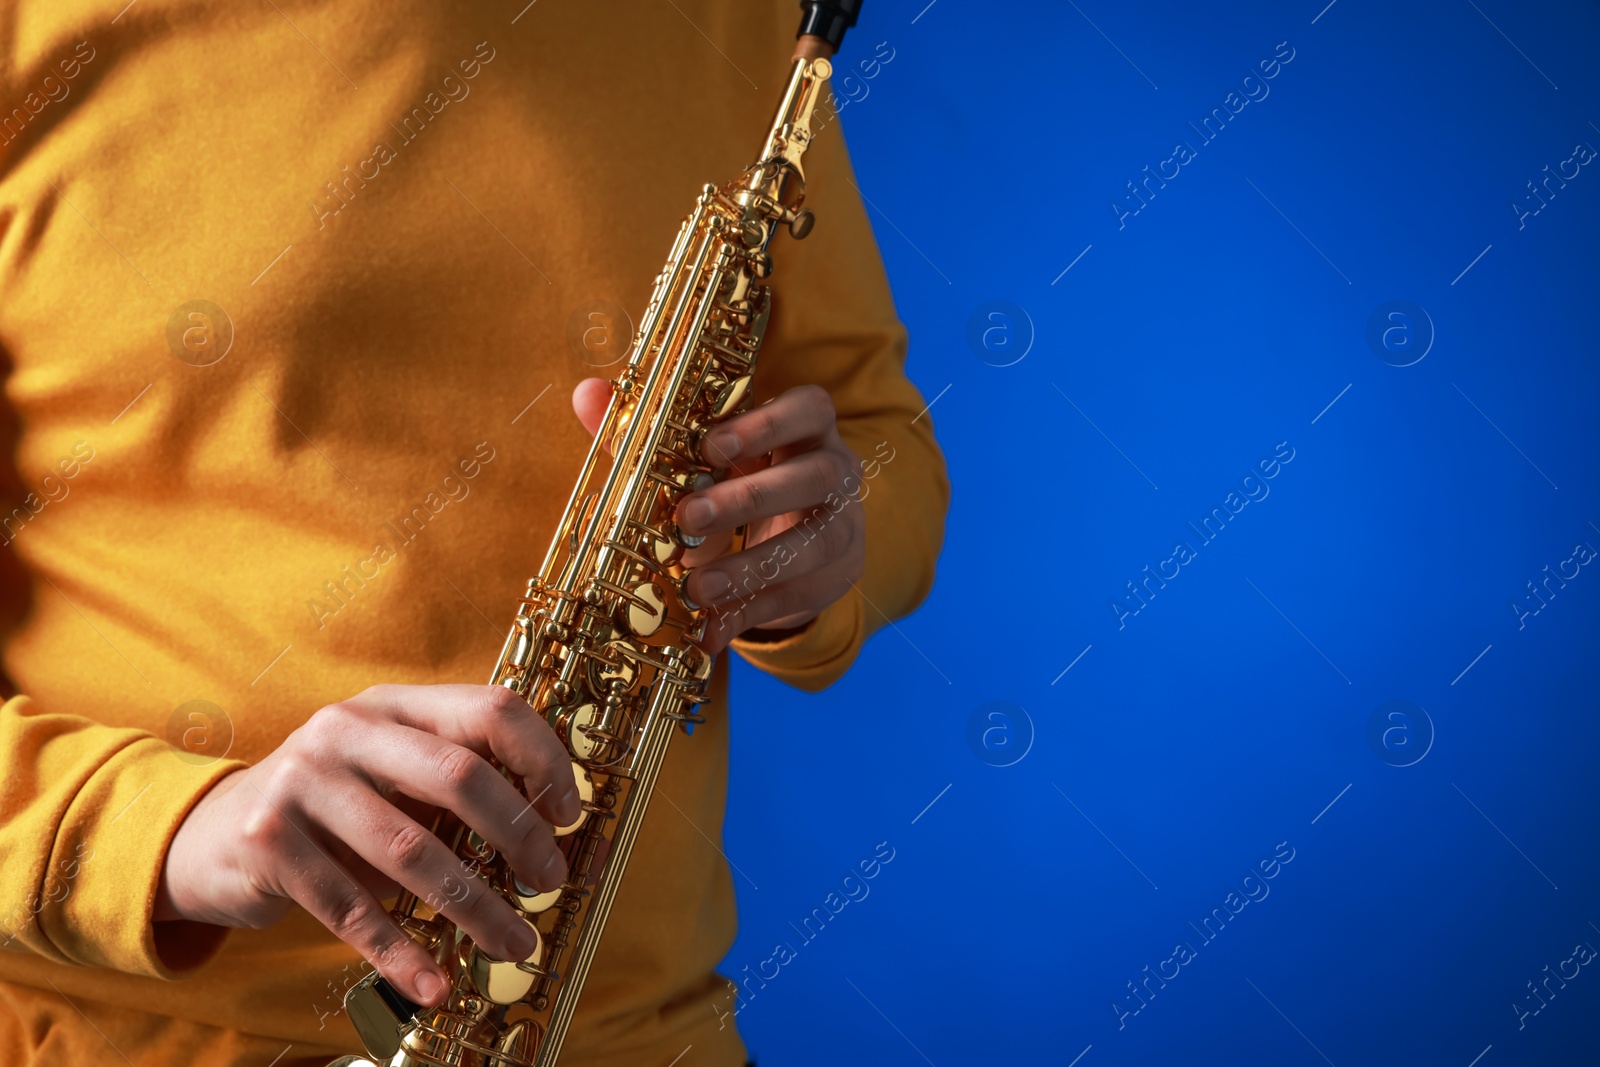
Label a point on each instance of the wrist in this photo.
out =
(175, 897)
(182, 941)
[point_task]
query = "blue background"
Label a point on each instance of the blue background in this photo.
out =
(1226, 716)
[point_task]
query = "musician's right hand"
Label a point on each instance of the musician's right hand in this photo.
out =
(335, 819)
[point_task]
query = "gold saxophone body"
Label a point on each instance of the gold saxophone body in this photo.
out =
(605, 644)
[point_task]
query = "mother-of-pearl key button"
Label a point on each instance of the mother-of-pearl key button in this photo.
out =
(580, 721)
(502, 982)
(530, 900)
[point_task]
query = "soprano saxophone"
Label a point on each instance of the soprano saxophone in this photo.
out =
(606, 643)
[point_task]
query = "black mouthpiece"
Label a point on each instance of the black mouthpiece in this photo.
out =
(828, 19)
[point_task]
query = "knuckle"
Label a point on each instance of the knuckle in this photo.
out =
(763, 423)
(819, 401)
(408, 847)
(288, 777)
(502, 700)
(821, 408)
(826, 474)
(321, 730)
(748, 497)
(539, 760)
(264, 829)
(348, 914)
(547, 759)
(501, 705)
(456, 768)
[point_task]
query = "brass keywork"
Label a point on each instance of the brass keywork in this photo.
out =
(605, 645)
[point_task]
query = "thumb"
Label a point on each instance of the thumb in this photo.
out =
(589, 400)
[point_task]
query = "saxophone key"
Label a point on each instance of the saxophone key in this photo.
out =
(530, 901)
(800, 223)
(579, 729)
(500, 981)
(665, 547)
(685, 539)
(522, 646)
(683, 592)
(602, 672)
(644, 611)
(731, 397)
(519, 1042)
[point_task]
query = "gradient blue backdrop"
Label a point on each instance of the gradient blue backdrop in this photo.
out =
(1225, 717)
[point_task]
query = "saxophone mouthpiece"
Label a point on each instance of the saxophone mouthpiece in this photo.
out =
(822, 27)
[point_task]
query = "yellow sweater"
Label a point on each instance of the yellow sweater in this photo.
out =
(342, 466)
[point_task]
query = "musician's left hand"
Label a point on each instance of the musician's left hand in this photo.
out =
(791, 478)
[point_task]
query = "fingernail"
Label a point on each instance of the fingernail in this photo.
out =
(521, 942)
(714, 585)
(553, 873)
(699, 513)
(727, 444)
(431, 986)
(569, 808)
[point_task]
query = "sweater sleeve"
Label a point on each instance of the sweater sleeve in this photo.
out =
(87, 812)
(834, 325)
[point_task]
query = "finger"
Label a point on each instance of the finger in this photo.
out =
(354, 916)
(821, 537)
(712, 549)
(792, 602)
(490, 720)
(589, 400)
(802, 415)
(402, 849)
(800, 482)
(457, 779)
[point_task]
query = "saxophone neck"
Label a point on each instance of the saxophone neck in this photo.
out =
(790, 133)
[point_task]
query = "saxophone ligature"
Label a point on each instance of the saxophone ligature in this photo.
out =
(606, 643)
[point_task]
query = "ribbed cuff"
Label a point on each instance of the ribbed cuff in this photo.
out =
(117, 832)
(818, 655)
